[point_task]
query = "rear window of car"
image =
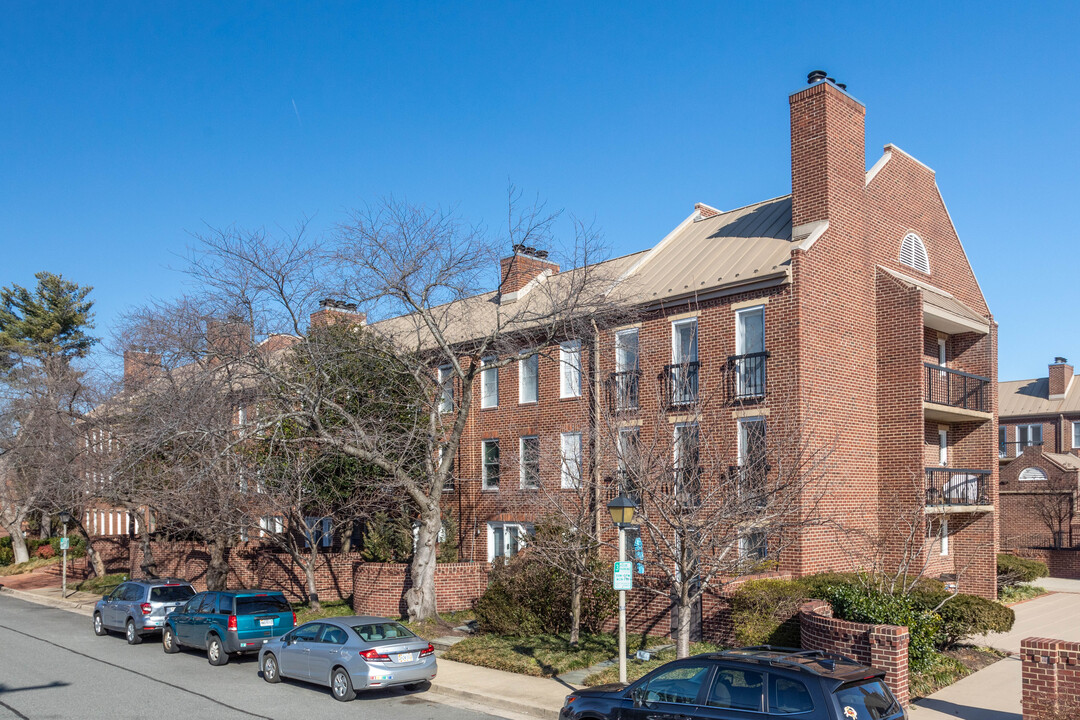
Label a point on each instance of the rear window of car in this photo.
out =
(262, 604)
(377, 632)
(171, 593)
(869, 700)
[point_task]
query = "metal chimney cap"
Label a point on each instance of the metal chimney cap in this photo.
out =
(816, 76)
(1060, 360)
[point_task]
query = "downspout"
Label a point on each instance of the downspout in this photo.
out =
(595, 429)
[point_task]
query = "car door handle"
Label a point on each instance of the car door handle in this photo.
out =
(335, 652)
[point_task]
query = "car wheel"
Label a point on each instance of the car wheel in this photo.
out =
(215, 651)
(133, 636)
(341, 685)
(271, 674)
(99, 626)
(168, 641)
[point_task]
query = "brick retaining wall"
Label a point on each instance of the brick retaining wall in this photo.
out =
(1050, 685)
(883, 646)
(379, 588)
(1063, 563)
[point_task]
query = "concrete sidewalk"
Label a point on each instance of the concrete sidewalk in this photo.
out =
(79, 602)
(521, 694)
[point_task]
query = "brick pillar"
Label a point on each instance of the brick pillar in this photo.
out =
(1050, 678)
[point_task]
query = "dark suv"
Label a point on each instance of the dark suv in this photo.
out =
(139, 607)
(756, 682)
(227, 623)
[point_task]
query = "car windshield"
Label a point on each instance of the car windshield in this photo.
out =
(171, 593)
(870, 700)
(377, 632)
(262, 604)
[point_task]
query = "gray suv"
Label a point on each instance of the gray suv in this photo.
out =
(139, 607)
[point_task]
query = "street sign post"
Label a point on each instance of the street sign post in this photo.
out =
(64, 544)
(624, 575)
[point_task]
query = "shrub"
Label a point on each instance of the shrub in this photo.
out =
(766, 612)
(45, 552)
(965, 615)
(1013, 570)
(76, 546)
(7, 554)
(867, 606)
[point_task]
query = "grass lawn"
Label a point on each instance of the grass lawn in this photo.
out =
(101, 585)
(330, 608)
(29, 565)
(442, 625)
(952, 665)
(636, 668)
(540, 655)
(1018, 593)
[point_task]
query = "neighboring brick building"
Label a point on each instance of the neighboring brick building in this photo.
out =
(1039, 453)
(847, 308)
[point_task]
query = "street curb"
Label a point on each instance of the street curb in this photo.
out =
(69, 605)
(496, 703)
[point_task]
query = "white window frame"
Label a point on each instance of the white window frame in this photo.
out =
(489, 381)
(1003, 441)
(675, 351)
(485, 478)
(916, 251)
(520, 529)
(942, 353)
(1038, 476)
(1030, 440)
(943, 537)
(621, 345)
(943, 447)
(1076, 434)
(745, 544)
(740, 328)
(532, 360)
(446, 382)
(743, 423)
(570, 447)
(521, 461)
(271, 524)
(570, 369)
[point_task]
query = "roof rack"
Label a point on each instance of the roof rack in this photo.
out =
(791, 657)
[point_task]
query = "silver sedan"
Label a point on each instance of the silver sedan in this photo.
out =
(349, 654)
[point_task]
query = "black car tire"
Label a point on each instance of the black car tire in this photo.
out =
(99, 625)
(271, 672)
(215, 651)
(132, 633)
(341, 685)
(168, 641)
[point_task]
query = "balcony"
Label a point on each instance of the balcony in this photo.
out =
(623, 391)
(748, 376)
(1011, 450)
(680, 384)
(954, 395)
(957, 490)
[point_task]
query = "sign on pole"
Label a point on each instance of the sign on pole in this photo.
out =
(624, 575)
(64, 544)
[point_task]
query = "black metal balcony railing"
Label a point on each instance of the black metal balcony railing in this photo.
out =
(626, 483)
(1015, 449)
(680, 383)
(747, 375)
(751, 484)
(956, 388)
(957, 486)
(623, 389)
(685, 487)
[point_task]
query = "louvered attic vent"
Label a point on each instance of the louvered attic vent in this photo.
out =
(913, 253)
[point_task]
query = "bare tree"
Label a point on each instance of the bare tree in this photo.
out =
(1052, 503)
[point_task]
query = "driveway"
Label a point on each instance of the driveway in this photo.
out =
(993, 693)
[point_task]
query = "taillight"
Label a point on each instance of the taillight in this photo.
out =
(146, 609)
(294, 619)
(375, 655)
(429, 650)
(232, 622)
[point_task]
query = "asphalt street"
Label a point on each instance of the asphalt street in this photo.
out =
(53, 666)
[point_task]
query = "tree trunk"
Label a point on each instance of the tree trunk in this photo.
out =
(217, 572)
(149, 564)
(346, 536)
(309, 572)
(420, 598)
(46, 526)
(575, 609)
(97, 563)
(18, 544)
(686, 606)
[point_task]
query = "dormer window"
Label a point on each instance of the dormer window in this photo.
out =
(913, 253)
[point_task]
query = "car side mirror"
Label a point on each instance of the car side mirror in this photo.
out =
(105, 598)
(638, 696)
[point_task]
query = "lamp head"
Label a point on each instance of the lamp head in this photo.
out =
(65, 517)
(622, 510)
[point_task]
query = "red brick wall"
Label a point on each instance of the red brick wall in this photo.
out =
(882, 646)
(380, 587)
(1061, 563)
(1050, 685)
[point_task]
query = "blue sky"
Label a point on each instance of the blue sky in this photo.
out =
(125, 128)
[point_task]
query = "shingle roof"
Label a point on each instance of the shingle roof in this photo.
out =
(1070, 462)
(942, 300)
(1032, 397)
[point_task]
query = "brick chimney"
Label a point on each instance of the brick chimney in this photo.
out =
(228, 339)
(524, 266)
(828, 151)
(1061, 376)
(140, 366)
(333, 311)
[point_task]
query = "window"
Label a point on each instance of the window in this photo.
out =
(448, 483)
(446, 381)
(869, 700)
(684, 362)
(628, 464)
(942, 357)
(789, 696)
(1027, 435)
(570, 475)
(753, 546)
(627, 369)
(938, 532)
(913, 253)
(530, 462)
(570, 369)
(1003, 445)
(1032, 474)
(491, 465)
(506, 539)
(680, 685)
(750, 341)
(1076, 434)
(737, 690)
(943, 447)
(529, 378)
(318, 531)
(274, 524)
(687, 463)
(489, 384)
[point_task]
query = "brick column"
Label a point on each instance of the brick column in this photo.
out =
(1050, 675)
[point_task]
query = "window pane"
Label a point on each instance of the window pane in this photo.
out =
(790, 696)
(736, 689)
(570, 364)
(678, 685)
(446, 379)
(571, 460)
(491, 463)
(871, 700)
(750, 335)
(530, 462)
(489, 386)
(1076, 435)
(684, 348)
(497, 541)
(626, 351)
(528, 378)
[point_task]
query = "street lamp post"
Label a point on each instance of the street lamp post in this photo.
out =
(622, 515)
(65, 518)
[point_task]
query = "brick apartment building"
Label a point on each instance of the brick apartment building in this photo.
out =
(847, 309)
(1039, 455)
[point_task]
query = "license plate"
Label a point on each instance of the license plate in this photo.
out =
(406, 657)
(266, 623)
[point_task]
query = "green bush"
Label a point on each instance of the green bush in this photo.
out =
(76, 545)
(7, 554)
(867, 606)
(1013, 570)
(965, 615)
(766, 612)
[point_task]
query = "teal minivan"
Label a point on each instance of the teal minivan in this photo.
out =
(227, 623)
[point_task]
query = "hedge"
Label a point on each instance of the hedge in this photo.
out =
(1013, 570)
(965, 615)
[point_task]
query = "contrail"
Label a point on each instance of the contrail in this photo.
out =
(297, 113)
